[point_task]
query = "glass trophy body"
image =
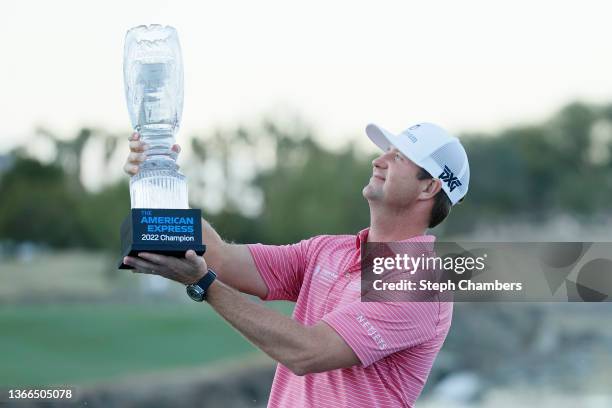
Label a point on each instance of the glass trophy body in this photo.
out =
(160, 219)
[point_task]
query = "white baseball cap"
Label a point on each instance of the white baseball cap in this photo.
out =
(432, 148)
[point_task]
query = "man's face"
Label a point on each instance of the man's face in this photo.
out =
(394, 180)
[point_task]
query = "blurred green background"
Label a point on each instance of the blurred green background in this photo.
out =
(277, 184)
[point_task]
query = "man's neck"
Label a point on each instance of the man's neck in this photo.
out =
(390, 227)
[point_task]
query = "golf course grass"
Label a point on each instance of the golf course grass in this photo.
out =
(83, 343)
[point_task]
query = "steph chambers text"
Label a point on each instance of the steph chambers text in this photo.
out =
(462, 285)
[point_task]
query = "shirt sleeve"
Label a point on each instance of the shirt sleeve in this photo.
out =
(375, 330)
(282, 268)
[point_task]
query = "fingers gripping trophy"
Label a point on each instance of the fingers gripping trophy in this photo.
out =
(160, 220)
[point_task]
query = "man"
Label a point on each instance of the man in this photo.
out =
(337, 351)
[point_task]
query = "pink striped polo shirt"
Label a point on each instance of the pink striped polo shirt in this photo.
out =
(396, 342)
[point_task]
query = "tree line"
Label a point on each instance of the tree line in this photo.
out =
(274, 182)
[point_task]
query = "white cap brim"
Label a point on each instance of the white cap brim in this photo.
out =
(385, 139)
(380, 136)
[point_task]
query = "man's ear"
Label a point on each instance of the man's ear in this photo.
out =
(429, 188)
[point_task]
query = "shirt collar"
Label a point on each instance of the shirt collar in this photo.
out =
(362, 237)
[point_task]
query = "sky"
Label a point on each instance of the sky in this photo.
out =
(467, 65)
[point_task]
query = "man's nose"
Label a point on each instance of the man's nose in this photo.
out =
(380, 161)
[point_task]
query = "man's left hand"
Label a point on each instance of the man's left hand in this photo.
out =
(186, 271)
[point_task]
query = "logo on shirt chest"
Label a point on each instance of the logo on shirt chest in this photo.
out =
(340, 289)
(324, 275)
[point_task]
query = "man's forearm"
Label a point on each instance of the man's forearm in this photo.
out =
(279, 336)
(233, 263)
(214, 246)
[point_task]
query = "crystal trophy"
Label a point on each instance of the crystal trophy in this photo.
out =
(160, 220)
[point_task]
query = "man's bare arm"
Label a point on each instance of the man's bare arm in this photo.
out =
(233, 263)
(302, 349)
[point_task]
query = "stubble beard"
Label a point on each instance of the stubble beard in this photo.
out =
(372, 193)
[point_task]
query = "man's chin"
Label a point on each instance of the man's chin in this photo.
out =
(370, 192)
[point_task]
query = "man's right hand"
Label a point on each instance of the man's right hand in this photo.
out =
(138, 154)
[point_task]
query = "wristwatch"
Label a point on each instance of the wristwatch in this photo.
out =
(197, 291)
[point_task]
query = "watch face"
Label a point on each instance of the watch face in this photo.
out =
(195, 292)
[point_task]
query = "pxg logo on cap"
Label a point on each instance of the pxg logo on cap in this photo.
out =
(448, 176)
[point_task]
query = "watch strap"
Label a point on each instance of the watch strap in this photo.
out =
(206, 281)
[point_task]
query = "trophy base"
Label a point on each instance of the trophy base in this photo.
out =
(170, 232)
